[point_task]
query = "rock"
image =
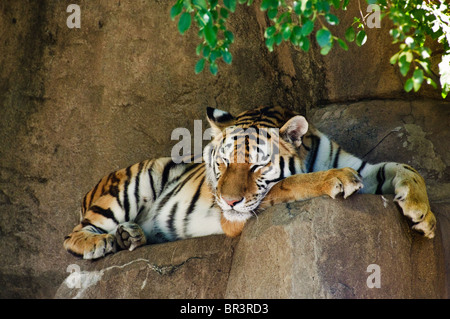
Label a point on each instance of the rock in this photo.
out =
(415, 132)
(193, 268)
(321, 248)
(442, 211)
(76, 104)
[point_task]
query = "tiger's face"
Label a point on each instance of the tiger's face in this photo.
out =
(243, 162)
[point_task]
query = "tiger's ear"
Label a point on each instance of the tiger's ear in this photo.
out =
(294, 129)
(218, 119)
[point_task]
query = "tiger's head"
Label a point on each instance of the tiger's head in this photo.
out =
(249, 154)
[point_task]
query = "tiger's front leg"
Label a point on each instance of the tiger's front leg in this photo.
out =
(411, 196)
(409, 189)
(298, 187)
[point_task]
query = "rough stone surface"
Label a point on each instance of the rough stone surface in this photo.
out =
(414, 132)
(320, 248)
(194, 268)
(76, 104)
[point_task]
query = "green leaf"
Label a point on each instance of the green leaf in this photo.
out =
(224, 13)
(394, 33)
(215, 55)
(323, 6)
(278, 38)
(417, 79)
(269, 43)
(286, 31)
(213, 68)
(350, 34)
(199, 66)
(203, 18)
(409, 84)
(184, 23)
(199, 49)
(210, 35)
(361, 38)
(206, 51)
(394, 58)
(200, 3)
(307, 28)
(230, 4)
(297, 31)
(297, 7)
(268, 4)
(229, 36)
(342, 44)
(331, 19)
(323, 37)
(325, 50)
(404, 65)
(295, 40)
(431, 82)
(305, 44)
(227, 57)
(270, 31)
(336, 3)
(345, 4)
(408, 54)
(176, 10)
(272, 13)
(214, 14)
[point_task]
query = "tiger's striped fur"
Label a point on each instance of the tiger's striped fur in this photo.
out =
(157, 200)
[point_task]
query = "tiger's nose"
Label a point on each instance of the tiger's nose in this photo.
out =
(232, 201)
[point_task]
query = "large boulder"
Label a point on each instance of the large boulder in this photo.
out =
(361, 247)
(335, 249)
(194, 268)
(416, 132)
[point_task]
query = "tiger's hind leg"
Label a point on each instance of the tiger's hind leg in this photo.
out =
(88, 244)
(94, 236)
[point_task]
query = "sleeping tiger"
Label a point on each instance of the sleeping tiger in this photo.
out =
(257, 159)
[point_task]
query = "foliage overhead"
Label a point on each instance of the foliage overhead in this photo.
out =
(416, 23)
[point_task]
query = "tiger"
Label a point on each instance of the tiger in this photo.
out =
(257, 159)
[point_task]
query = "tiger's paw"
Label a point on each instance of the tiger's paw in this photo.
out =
(129, 236)
(428, 226)
(90, 246)
(411, 196)
(344, 181)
